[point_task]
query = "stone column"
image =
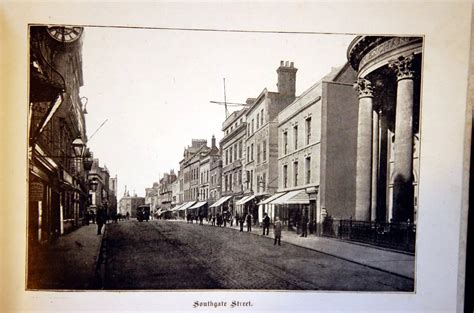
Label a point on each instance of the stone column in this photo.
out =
(375, 162)
(364, 150)
(403, 149)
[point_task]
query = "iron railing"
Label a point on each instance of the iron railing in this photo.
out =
(399, 236)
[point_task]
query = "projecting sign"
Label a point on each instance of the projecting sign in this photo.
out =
(36, 191)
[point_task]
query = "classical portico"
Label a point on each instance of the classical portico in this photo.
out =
(388, 83)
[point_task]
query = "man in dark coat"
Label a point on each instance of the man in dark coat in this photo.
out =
(100, 219)
(249, 222)
(241, 222)
(304, 225)
(266, 224)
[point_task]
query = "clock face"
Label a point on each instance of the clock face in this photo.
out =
(65, 34)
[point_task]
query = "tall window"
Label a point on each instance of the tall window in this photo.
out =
(230, 155)
(251, 152)
(295, 173)
(295, 136)
(251, 179)
(252, 126)
(235, 152)
(226, 157)
(308, 130)
(240, 177)
(240, 149)
(230, 182)
(308, 170)
(285, 142)
(264, 145)
(285, 176)
(248, 154)
(264, 181)
(261, 117)
(258, 119)
(258, 153)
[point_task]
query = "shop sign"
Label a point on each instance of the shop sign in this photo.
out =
(36, 191)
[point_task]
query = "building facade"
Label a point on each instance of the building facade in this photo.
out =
(233, 154)
(57, 178)
(317, 139)
(261, 143)
(388, 145)
(129, 204)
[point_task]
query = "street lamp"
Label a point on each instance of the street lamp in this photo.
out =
(79, 147)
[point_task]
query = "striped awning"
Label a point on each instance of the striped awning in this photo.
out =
(186, 206)
(293, 197)
(220, 201)
(275, 196)
(198, 205)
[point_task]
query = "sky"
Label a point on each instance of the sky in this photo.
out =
(153, 88)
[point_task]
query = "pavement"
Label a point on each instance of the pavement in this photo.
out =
(390, 261)
(68, 263)
(80, 251)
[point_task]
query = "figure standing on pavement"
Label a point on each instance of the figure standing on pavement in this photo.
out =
(213, 220)
(201, 217)
(241, 222)
(100, 219)
(266, 224)
(304, 225)
(277, 231)
(249, 222)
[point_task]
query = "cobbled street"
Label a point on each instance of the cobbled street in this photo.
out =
(175, 255)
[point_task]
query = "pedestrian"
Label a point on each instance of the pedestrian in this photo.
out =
(241, 222)
(266, 224)
(277, 231)
(213, 219)
(219, 220)
(224, 218)
(188, 218)
(101, 219)
(249, 222)
(127, 216)
(201, 217)
(304, 225)
(93, 216)
(86, 217)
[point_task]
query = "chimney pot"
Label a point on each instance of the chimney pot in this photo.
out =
(292, 64)
(281, 63)
(287, 64)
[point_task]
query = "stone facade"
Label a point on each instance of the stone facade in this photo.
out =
(261, 143)
(389, 86)
(316, 139)
(233, 154)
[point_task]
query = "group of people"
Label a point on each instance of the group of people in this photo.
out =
(100, 217)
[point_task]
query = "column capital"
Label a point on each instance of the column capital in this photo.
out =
(364, 87)
(402, 66)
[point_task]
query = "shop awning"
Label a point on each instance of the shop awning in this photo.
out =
(186, 206)
(241, 201)
(176, 208)
(198, 205)
(293, 197)
(244, 201)
(220, 201)
(275, 196)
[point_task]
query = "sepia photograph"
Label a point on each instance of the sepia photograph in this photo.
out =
(235, 156)
(184, 159)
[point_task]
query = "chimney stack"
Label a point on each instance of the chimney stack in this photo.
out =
(213, 142)
(287, 78)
